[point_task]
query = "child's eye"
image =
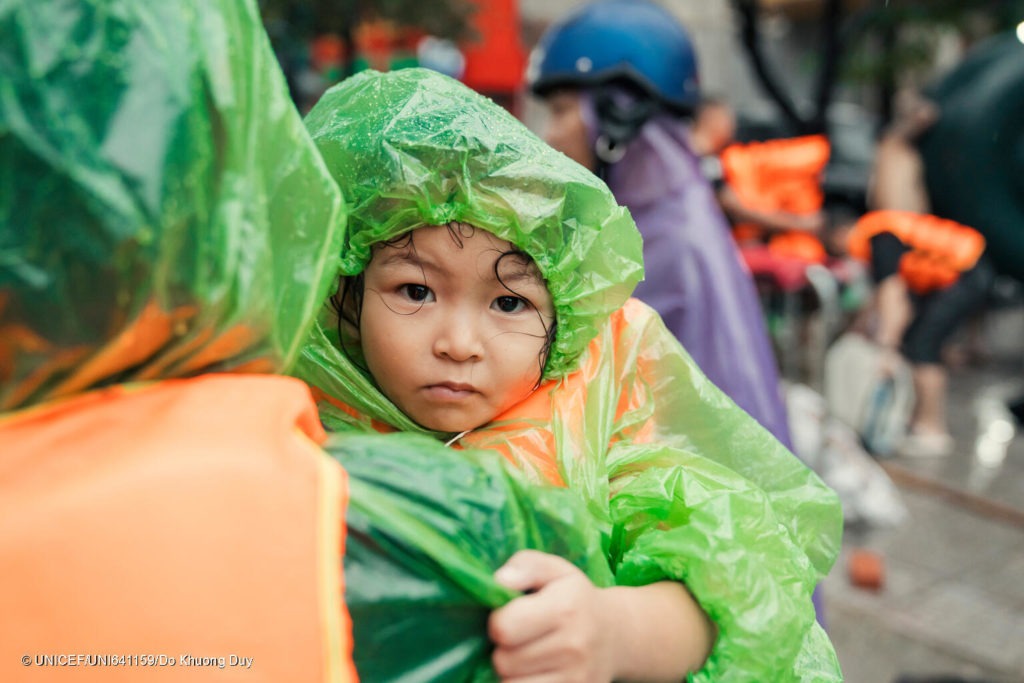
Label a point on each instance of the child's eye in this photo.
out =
(417, 293)
(510, 304)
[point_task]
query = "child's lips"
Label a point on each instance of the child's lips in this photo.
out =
(451, 391)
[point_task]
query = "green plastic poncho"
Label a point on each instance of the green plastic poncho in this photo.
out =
(163, 213)
(162, 210)
(427, 528)
(682, 483)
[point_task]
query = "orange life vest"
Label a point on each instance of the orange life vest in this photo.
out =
(183, 530)
(939, 249)
(779, 175)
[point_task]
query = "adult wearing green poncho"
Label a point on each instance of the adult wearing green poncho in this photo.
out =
(683, 484)
(167, 234)
(163, 502)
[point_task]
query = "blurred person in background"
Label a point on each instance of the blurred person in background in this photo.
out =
(930, 274)
(713, 131)
(713, 128)
(621, 83)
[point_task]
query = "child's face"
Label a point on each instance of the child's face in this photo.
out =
(454, 334)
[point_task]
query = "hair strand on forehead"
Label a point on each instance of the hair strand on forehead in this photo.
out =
(460, 231)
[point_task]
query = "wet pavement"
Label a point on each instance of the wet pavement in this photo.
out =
(951, 607)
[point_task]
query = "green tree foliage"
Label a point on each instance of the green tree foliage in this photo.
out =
(895, 40)
(880, 43)
(294, 24)
(450, 19)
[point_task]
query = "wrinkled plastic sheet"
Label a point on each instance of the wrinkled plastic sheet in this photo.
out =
(427, 528)
(162, 209)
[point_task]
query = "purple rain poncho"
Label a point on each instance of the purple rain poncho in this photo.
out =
(695, 277)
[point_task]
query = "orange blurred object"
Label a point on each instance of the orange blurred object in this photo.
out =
(327, 50)
(799, 246)
(779, 175)
(495, 62)
(940, 249)
(866, 569)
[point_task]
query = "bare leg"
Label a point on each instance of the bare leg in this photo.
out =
(892, 302)
(930, 409)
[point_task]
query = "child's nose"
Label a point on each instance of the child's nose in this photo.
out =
(458, 338)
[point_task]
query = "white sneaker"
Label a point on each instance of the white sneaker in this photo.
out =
(927, 445)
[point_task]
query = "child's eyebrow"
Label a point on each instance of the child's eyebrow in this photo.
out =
(529, 276)
(408, 258)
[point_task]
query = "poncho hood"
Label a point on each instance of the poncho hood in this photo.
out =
(163, 211)
(413, 148)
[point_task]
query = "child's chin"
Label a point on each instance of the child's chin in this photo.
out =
(453, 428)
(449, 426)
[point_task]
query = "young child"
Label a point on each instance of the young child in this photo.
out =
(485, 301)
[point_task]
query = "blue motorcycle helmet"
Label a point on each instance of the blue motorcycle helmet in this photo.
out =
(615, 46)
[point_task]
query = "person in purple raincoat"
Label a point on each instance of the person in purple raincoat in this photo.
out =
(620, 81)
